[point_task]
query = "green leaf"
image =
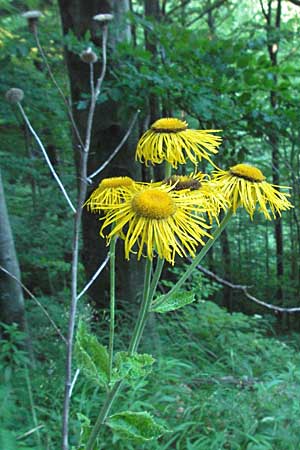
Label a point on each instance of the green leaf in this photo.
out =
(136, 426)
(132, 367)
(92, 357)
(175, 301)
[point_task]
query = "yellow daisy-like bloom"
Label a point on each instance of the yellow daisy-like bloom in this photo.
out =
(245, 185)
(109, 192)
(200, 184)
(159, 219)
(170, 140)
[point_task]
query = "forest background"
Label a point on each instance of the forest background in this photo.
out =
(223, 64)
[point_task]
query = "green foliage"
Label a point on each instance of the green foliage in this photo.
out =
(131, 367)
(173, 302)
(135, 426)
(92, 357)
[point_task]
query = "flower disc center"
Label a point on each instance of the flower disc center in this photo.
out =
(169, 125)
(116, 182)
(153, 204)
(248, 172)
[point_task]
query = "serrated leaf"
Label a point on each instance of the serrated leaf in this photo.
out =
(131, 367)
(136, 426)
(175, 301)
(92, 357)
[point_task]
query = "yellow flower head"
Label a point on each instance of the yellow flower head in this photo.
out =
(209, 193)
(109, 192)
(159, 219)
(170, 140)
(244, 185)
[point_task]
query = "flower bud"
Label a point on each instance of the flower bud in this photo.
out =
(14, 95)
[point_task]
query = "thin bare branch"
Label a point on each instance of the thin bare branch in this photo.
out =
(94, 277)
(36, 301)
(46, 157)
(75, 250)
(244, 289)
(67, 103)
(265, 14)
(180, 6)
(74, 382)
(206, 11)
(28, 433)
(116, 150)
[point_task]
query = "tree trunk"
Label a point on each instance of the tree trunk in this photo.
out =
(109, 128)
(11, 295)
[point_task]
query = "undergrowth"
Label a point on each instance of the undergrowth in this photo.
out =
(221, 381)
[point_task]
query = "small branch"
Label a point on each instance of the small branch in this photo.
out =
(28, 433)
(94, 277)
(74, 382)
(116, 150)
(46, 157)
(68, 106)
(244, 289)
(265, 14)
(82, 190)
(36, 301)
(206, 11)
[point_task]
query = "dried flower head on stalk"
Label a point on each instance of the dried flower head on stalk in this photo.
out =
(14, 95)
(89, 56)
(103, 19)
(32, 18)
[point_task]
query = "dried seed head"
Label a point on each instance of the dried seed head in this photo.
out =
(32, 18)
(88, 56)
(34, 14)
(14, 95)
(103, 18)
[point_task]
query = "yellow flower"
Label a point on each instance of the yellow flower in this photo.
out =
(159, 219)
(109, 192)
(209, 193)
(170, 140)
(245, 185)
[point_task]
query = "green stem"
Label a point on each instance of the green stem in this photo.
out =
(198, 258)
(168, 169)
(153, 286)
(132, 347)
(143, 309)
(102, 415)
(112, 259)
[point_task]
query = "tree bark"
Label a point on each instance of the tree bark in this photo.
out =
(11, 295)
(273, 47)
(109, 129)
